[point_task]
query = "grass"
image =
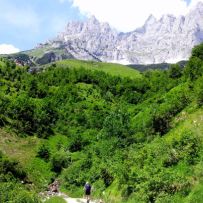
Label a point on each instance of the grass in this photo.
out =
(187, 121)
(24, 150)
(56, 142)
(37, 52)
(110, 68)
(2, 64)
(197, 194)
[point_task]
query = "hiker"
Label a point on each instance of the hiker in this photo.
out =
(87, 189)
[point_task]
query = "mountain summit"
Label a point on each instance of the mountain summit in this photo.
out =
(168, 39)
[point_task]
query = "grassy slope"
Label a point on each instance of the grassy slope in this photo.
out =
(187, 121)
(190, 122)
(18, 148)
(111, 68)
(38, 53)
(24, 150)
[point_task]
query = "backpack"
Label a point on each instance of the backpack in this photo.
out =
(87, 187)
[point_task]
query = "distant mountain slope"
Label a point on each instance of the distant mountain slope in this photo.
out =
(110, 68)
(168, 39)
(160, 66)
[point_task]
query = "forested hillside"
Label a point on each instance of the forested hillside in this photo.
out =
(137, 138)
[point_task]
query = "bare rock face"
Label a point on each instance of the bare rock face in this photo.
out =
(168, 39)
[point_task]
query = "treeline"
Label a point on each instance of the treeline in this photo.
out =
(115, 126)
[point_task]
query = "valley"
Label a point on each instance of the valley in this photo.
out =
(135, 136)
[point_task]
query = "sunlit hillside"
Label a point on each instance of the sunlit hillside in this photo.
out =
(136, 137)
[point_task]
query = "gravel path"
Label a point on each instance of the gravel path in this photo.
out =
(75, 200)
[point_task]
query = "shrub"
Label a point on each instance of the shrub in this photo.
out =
(26, 197)
(77, 143)
(199, 90)
(21, 110)
(11, 169)
(197, 51)
(60, 160)
(44, 118)
(44, 152)
(175, 71)
(194, 68)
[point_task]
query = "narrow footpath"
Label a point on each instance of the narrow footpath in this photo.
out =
(53, 190)
(75, 200)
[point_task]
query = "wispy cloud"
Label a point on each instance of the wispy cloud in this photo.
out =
(8, 49)
(127, 15)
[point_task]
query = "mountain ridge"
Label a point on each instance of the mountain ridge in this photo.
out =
(166, 40)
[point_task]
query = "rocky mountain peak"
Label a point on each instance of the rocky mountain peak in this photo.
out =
(150, 20)
(167, 18)
(93, 20)
(167, 39)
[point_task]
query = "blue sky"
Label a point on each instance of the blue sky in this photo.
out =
(25, 23)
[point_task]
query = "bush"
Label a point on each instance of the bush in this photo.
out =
(60, 160)
(175, 71)
(43, 152)
(21, 110)
(11, 169)
(44, 118)
(199, 90)
(77, 143)
(197, 51)
(174, 101)
(194, 68)
(26, 197)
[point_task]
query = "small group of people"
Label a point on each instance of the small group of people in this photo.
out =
(54, 187)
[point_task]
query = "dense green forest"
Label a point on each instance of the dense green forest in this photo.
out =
(136, 139)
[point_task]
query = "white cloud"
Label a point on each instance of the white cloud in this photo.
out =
(126, 15)
(194, 2)
(8, 49)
